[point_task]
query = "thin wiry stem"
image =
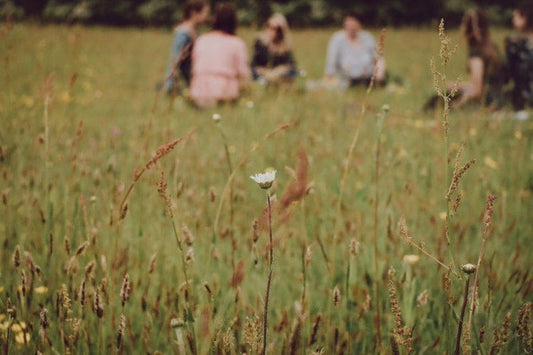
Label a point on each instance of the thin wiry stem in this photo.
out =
(270, 261)
(352, 147)
(485, 235)
(425, 252)
(460, 328)
(381, 118)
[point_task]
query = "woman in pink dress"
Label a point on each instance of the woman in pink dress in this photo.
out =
(219, 61)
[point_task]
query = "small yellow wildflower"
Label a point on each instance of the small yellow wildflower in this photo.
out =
(22, 338)
(65, 97)
(411, 259)
(27, 101)
(41, 290)
(491, 163)
(18, 327)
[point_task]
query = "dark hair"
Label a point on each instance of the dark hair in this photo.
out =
(193, 6)
(352, 14)
(525, 8)
(476, 31)
(225, 18)
(476, 28)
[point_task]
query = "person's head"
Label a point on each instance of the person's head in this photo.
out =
(475, 28)
(523, 16)
(196, 10)
(277, 29)
(351, 24)
(225, 18)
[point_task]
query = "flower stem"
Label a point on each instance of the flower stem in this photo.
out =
(270, 260)
(463, 309)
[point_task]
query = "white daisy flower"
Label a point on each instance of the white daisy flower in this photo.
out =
(264, 180)
(216, 117)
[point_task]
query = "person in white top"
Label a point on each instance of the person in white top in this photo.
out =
(351, 56)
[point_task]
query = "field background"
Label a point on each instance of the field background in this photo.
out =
(69, 150)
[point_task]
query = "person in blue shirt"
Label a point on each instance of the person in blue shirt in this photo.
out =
(195, 13)
(352, 56)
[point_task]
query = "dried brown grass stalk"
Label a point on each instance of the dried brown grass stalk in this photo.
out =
(160, 153)
(162, 190)
(523, 328)
(252, 333)
(457, 174)
(501, 336)
(409, 239)
(121, 331)
(402, 334)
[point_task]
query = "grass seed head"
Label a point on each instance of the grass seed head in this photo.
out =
(43, 317)
(16, 256)
(125, 289)
(152, 263)
(82, 293)
(121, 330)
(67, 244)
(354, 247)
(98, 307)
(524, 328)
(336, 296)
(188, 237)
(81, 249)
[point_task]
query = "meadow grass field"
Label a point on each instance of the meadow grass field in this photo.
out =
(129, 223)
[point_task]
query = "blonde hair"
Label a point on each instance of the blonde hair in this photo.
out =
(281, 43)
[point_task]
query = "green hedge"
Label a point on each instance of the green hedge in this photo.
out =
(301, 13)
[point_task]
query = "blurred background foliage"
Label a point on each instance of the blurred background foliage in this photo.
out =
(300, 13)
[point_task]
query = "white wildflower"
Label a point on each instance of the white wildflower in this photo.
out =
(264, 180)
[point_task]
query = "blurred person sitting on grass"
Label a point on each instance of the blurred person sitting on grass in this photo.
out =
(484, 65)
(220, 65)
(352, 56)
(519, 53)
(273, 60)
(195, 14)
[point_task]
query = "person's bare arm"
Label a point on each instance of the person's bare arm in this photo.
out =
(473, 88)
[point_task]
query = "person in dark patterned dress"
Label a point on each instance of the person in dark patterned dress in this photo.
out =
(519, 53)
